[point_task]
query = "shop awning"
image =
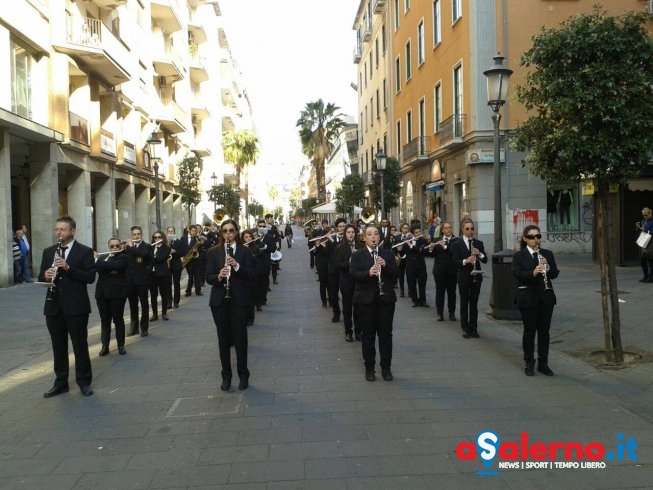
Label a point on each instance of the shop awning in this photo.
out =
(435, 186)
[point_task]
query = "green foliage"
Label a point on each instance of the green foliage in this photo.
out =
(309, 202)
(188, 175)
(255, 209)
(295, 199)
(391, 189)
(226, 197)
(240, 149)
(590, 92)
(350, 194)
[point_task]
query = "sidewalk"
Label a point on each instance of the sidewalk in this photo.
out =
(309, 419)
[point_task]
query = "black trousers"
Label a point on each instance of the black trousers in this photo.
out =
(537, 321)
(647, 267)
(231, 324)
(376, 321)
(333, 280)
(262, 285)
(445, 282)
(76, 327)
(323, 276)
(195, 273)
(160, 285)
(138, 293)
(469, 293)
(112, 309)
(402, 274)
(176, 286)
(416, 279)
(347, 292)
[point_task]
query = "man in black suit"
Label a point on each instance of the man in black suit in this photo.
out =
(194, 269)
(230, 269)
(383, 230)
(333, 271)
(322, 258)
(534, 268)
(267, 248)
(444, 271)
(468, 253)
(273, 231)
(69, 266)
(138, 274)
(374, 271)
(175, 267)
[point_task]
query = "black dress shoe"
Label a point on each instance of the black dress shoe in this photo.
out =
(544, 369)
(86, 390)
(199, 293)
(369, 375)
(154, 318)
(104, 350)
(348, 337)
(164, 316)
(275, 282)
(121, 350)
(243, 384)
(226, 383)
(466, 334)
(336, 318)
(425, 305)
(249, 323)
(131, 333)
(644, 279)
(415, 305)
(258, 308)
(144, 333)
(474, 334)
(529, 369)
(54, 391)
(386, 374)
(324, 305)
(440, 318)
(187, 294)
(358, 337)
(452, 317)
(176, 305)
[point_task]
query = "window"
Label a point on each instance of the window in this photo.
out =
(421, 55)
(398, 73)
(396, 14)
(365, 73)
(409, 68)
(371, 111)
(458, 100)
(366, 118)
(376, 51)
(421, 123)
(399, 138)
(437, 106)
(563, 208)
(385, 94)
(437, 28)
(378, 104)
(21, 74)
(406, 5)
(360, 84)
(456, 10)
(409, 126)
(385, 142)
(383, 38)
(371, 65)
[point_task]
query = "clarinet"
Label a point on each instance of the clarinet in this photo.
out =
(227, 286)
(542, 261)
(375, 254)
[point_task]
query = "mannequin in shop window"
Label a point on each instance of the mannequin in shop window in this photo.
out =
(565, 201)
(552, 206)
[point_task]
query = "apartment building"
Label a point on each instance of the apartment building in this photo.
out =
(85, 84)
(440, 126)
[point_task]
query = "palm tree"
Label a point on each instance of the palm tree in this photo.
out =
(319, 127)
(241, 149)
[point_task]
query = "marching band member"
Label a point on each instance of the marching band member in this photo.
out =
(401, 252)
(184, 246)
(416, 274)
(374, 270)
(175, 268)
(138, 274)
(230, 270)
(253, 243)
(111, 293)
(333, 272)
(342, 256)
(444, 271)
(322, 254)
(161, 277)
(267, 247)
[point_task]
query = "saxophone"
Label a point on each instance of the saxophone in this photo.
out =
(192, 254)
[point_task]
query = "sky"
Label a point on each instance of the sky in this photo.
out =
(291, 52)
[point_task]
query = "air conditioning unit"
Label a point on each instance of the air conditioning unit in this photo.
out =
(163, 82)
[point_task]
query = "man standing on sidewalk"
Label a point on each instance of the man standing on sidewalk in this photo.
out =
(27, 256)
(69, 266)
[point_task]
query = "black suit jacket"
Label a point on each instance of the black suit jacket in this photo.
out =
(443, 262)
(530, 289)
(159, 261)
(138, 271)
(72, 294)
(112, 277)
(240, 281)
(460, 252)
(175, 263)
(366, 288)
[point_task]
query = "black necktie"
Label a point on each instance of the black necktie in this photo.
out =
(536, 258)
(62, 251)
(469, 243)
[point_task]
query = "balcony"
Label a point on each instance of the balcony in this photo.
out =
(452, 130)
(198, 106)
(367, 30)
(358, 52)
(228, 124)
(378, 6)
(168, 63)
(368, 178)
(78, 129)
(171, 117)
(109, 4)
(196, 32)
(90, 43)
(228, 96)
(417, 149)
(166, 14)
(198, 73)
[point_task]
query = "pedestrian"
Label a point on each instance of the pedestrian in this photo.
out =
(646, 224)
(160, 275)
(138, 275)
(18, 257)
(111, 293)
(444, 272)
(69, 266)
(374, 270)
(468, 253)
(230, 270)
(534, 269)
(27, 256)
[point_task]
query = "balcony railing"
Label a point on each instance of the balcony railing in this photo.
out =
(378, 5)
(78, 128)
(417, 148)
(366, 30)
(358, 52)
(452, 128)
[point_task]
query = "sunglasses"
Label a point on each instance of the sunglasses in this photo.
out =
(157, 236)
(468, 229)
(533, 237)
(228, 230)
(115, 246)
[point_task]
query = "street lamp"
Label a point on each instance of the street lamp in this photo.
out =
(380, 166)
(154, 143)
(214, 179)
(497, 89)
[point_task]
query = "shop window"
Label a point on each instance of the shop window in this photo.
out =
(562, 205)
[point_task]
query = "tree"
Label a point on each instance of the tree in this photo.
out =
(241, 149)
(351, 193)
(391, 187)
(309, 202)
(226, 197)
(295, 199)
(590, 91)
(255, 209)
(188, 174)
(319, 126)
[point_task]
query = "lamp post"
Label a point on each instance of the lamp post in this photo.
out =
(214, 180)
(380, 166)
(154, 143)
(497, 89)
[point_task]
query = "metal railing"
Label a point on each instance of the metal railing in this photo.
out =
(452, 127)
(418, 147)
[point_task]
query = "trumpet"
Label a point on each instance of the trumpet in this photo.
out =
(375, 255)
(545, 267)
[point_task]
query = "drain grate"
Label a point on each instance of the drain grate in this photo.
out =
(202, 406)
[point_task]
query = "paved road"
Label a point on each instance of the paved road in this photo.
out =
(309, 419)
